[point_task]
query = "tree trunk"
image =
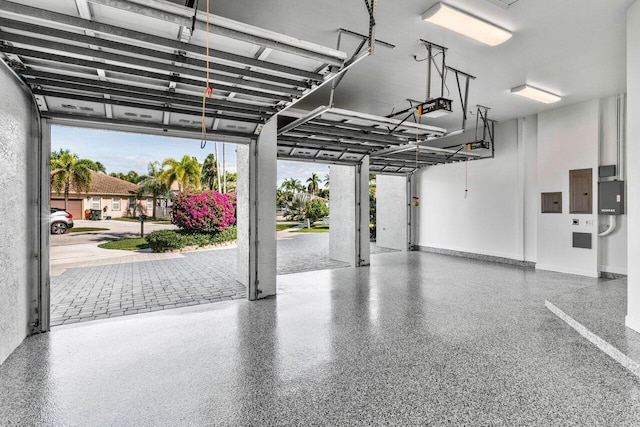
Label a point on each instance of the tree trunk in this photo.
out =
(224, 169)
(218, 169)
(66, 195)
(155, 200)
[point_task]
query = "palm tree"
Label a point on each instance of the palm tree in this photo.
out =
(100, 168)
(291, 186)
(326, 181)
(232, 182)
(185, 172)
(313, 183)
(153, 183)
(209, 172)
(68, 170)
(131, 176)
(56, 154)
(97, 167)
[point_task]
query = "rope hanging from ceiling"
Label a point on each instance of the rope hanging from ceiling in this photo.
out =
(418, 119)
(208, 89)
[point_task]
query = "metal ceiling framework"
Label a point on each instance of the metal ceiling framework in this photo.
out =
(141, 66)
(420, 152)
(333, 135)
(394, 145)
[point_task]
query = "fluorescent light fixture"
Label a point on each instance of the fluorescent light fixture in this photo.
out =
(536, 94)
(466, 24)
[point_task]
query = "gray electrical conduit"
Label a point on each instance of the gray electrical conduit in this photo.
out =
(611, 228)
(620, 124)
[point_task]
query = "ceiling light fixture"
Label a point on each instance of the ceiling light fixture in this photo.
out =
(468, 25)
(536, 94)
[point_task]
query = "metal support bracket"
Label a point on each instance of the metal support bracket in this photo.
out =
(486, 139)
(434, 107)
(370, 40)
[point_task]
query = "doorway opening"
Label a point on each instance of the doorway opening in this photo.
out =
(303, 217)
(134, 238)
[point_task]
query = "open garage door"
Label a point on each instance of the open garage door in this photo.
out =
(141, 67)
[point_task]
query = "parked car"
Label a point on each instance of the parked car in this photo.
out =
(61, 221)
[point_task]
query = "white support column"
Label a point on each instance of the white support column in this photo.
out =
(256, 191)
(633, 166)
(349, 201)
(392, 210)
(41, 320)
(362, 190)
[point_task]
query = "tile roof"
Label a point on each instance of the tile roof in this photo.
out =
(107, 185)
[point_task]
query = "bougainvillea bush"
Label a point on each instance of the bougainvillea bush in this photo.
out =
(207, 211)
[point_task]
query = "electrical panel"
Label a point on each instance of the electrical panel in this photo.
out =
(607, 171)
(611, 198)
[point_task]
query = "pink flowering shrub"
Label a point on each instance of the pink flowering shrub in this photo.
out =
(208, 211)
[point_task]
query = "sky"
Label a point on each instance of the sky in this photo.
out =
(122, 152)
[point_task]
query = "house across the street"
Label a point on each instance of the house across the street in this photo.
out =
(115, 197)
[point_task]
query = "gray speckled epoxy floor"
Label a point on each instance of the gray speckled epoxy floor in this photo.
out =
(415, 339)
(602, 309)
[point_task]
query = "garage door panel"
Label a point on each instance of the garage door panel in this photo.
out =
(74, 206)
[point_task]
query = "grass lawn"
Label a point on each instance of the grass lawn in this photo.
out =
(318, 228)
(162, 221)
(85, 229)
(280, 227)
(130, 244)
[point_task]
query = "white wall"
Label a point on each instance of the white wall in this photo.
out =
(633, 160)
(488, 220)
(391, 207)
(567, 139)
(18, 212)
(501, 214)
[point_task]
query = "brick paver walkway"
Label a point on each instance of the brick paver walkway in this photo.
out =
(201, 277)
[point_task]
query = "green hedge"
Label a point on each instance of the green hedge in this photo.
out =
(167, 240)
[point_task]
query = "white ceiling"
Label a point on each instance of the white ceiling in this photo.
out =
(575, 48)
(119, 65)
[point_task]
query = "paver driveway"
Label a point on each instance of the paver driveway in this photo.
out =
(132, 285)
